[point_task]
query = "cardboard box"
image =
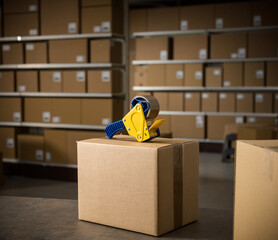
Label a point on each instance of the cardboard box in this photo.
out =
(255, 190)
(254, 74)
(59, 17)
(263, 103)
(7, 81)
(175, 75)
(27, 81)
(152, 48)
(10, 109)
(8, 142)
(102, 19)
(227, 102)
(105, 51)
(104, 81)
(191, 47)
(73, 137)
(271, 74)
(163, 99)
(55, 146)
(261, 120)
(30, 147)
(12, 53)
(209, 102)
(101, 111)
(36, 52)
(197, 17)
(194, 75)
(141, 75)
(150, 206)
(137, 20)
(19, 6)
(188, 126)
(275, 103)
(51, 81)
(21, 24)
(66, 110)
(156, 75)
(214, 77)
(264, 14)
(37, 109)
(75, 81)
(244, 102)
(216, 126)
(192, 102)
(163, 19)
(175, 101)
(228, 45)
(68, 51)
(233, 74)
(262, 44)
(256, 132)
(232, 15)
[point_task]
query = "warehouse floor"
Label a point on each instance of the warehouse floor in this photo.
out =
(216, 194)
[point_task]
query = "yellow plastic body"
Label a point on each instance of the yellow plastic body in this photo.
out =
(136, 125)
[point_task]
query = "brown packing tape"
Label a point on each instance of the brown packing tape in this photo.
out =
(178, 184)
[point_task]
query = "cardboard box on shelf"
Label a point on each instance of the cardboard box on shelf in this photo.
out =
(214, 77)
(68, 51)
(21, 24)
(55, 142)
(175, 101)
(261, 120)
(75, 81)
(249, 181)
(73, 137)
(11, 109)
(275, 102)
(59, 17)
(18, 6)
(153, 48)
(233, 74)
(105, 18)
(262, 44)
(37, 110)
(232, 15)
(101, 111)
(174, 74)
(8, 142)
(27, 81)
(152, 166)
(51, 81)
(271, 74)
(163, 19)
(163, 99)
(216, 126)
(227, 102)
(194, 75)
(36, 52)
(156, 75)
(108, 81)
(196, 17)
(264, 14)
(254, 74)
(137, 20)
(188, 126)
(192, 102)
(30, 147)
(12, 53)
(244, 102)
(141, 75)
(256, 132)
(191, 47)
(232, 45)
(105, 51)
(7, 81)
(66, 110)
(263, 103)
(209, 102)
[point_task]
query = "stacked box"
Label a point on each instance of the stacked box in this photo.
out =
(36, 52)
(51, 81)
(7, 81)
(209, 102)
(214, 76)
(175, 101)
(27, 81)
(74, 81)
(12, 53)
(227, 102)
(194, 75)
(137, 20)
(271, 73)
(233, 74)
(254, 74)
(244, 102)
(192, 102)
(175, 75)
(8, 142)
(12, 113)
(263, 103)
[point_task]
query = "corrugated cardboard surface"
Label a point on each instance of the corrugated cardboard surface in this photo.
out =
(227, 102)
(12, 53)
(256, 196)
(209, 102)
(30, 147)
(254, 74)
(19, 6)
(233, 74)
(57, 15)
(263, 102)
(51, 81)
(13, 113)
(75, 81)
(137, 193)
(194, 75)
(36, 109)
(27, 81)
(175, 101)
(7, 81)
(137, 20)
(214, 76)
(216, 126)
(8, 142)
(174, 75)
(192, 102)
(271, 73)
(36, 52)
(21, 24)
(244, 102)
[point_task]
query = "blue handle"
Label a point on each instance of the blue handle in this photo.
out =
(113, 128)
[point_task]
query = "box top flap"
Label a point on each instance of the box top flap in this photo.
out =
(271, 145)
